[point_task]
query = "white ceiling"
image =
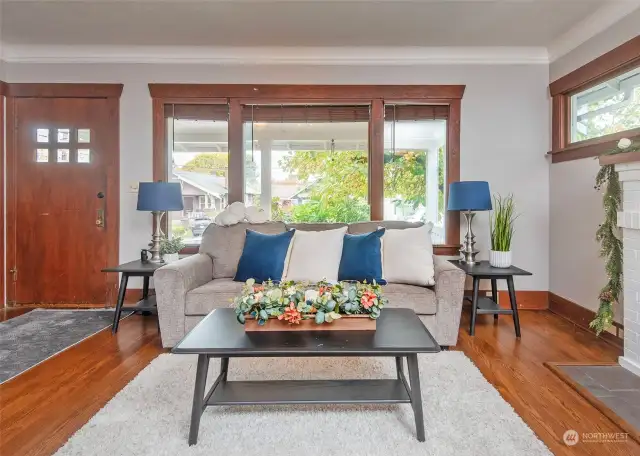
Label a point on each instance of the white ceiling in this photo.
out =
(301, 23)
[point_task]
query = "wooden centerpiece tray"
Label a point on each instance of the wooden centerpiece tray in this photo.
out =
(346, 323)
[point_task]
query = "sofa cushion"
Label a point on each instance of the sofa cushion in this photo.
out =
(217, 294)
(315, 255)
(263, 256)
(224, 244)
(367, 227)
(362, 257)
(407, 256)
(421, 299)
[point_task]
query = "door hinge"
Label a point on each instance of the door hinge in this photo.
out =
(14, 273)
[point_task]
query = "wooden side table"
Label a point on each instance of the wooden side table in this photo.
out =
(483, 305)
(134, 269)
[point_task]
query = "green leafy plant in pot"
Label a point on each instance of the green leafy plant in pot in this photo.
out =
(502, 221)
(170, 248)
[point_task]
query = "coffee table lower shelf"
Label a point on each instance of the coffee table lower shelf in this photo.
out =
(310, 392)
(299, 392)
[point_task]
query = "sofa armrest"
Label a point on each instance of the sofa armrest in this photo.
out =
(172, 282)
(449, 290)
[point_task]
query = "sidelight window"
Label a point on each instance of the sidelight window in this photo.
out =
(198, 159)
(415, 165)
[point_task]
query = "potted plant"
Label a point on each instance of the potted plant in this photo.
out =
(502, 221)
(170, 248)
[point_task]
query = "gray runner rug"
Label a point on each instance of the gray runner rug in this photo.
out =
(31, 338)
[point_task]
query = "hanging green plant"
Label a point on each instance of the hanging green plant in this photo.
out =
(608, 237)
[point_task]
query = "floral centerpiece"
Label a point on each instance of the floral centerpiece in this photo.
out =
(294, 302)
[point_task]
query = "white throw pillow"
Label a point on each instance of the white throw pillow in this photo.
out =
(408, 256)
(315, 255)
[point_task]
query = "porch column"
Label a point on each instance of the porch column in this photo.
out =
(629, 221)
(432, 186)
(265, 174)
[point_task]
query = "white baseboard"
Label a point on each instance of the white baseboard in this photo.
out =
(630, 365)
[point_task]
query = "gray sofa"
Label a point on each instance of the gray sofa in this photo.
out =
(189, 289)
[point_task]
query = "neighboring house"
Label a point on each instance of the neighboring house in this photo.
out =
(202, 192)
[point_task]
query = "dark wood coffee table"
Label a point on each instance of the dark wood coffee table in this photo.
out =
(399, 334)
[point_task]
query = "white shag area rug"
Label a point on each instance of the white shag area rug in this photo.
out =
(463, 414)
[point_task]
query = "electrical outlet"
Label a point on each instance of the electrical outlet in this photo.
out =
(133, 188)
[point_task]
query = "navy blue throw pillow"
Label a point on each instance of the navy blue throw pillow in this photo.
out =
(263, 256)
(362, 257)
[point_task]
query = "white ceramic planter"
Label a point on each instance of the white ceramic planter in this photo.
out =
(499, 259)
(170, 257)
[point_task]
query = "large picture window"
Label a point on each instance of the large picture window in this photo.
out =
(309, 153)
(307, 163)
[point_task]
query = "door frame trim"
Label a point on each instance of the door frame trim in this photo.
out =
(110, 92)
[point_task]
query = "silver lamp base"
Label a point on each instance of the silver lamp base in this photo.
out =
(156, 238)
(467, 251)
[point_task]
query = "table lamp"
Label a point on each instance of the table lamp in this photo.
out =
(157, 198)
(467, 197)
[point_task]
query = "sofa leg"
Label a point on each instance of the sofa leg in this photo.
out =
(444, 347)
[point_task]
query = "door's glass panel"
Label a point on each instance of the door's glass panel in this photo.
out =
(308, 163)
(414, 172)
(84, 135)
(42, 155)
(199, 158)
(42, 135)
(84, 156)
(63, 155)
(610, 107)
(63, 135)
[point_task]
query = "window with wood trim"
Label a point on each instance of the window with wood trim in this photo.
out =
(307, 163)
(597, 104)
(313, 153)
(198, 154)
(415, 142)
(612, 106)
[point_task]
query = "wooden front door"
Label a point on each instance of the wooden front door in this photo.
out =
(62, 219)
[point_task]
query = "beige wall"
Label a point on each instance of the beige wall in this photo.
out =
(575, 269)
(504, 132)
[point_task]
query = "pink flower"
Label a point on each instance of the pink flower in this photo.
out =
(368, 299)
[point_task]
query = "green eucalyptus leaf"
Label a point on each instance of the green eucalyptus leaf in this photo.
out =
(240, 318)
(320, 318)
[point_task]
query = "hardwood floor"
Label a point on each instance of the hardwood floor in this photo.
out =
(44, 406)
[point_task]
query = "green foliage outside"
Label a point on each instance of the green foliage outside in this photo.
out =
(340, 182)
(617, 120)
(216, 163)
(340, 191)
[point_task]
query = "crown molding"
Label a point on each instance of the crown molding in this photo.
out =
(605, 17)
(276, 55)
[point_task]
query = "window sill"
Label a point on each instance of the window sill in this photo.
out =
(592, 147)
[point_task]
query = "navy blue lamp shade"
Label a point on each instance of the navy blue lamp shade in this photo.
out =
(469, 196)
(159, 196)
